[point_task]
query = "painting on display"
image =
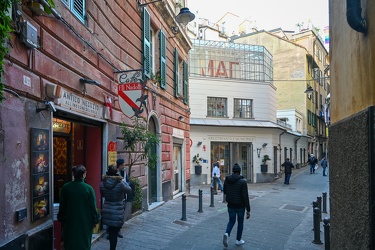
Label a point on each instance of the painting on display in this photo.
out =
(40, 173)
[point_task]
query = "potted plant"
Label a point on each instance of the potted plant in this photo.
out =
(197, 160)
(264, 166)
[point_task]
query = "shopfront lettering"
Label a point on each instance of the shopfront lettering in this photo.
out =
(74, 102)
(220, 69)
(231, 138)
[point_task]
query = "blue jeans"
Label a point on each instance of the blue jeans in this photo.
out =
(218, 182)
(287, 178)
(312, 168)
(240, 213)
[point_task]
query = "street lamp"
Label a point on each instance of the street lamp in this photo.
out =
(185, 16)
(309, 90)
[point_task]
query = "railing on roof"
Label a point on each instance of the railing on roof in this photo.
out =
(220, 59)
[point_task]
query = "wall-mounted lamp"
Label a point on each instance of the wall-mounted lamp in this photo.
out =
(258, 152)
(87, 81)
(264, 144)
(50, 106)
(199, 143)
(309, 90)
(141, 5)
(185, 16)
(180, 118)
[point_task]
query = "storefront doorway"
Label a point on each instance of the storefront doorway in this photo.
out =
(228, 153)
(75, 142)
(177, 169)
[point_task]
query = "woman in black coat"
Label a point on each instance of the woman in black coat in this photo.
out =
(112, 189)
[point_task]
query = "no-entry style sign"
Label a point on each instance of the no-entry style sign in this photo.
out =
(130, 92)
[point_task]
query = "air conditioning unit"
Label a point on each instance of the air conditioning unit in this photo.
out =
(29, 35)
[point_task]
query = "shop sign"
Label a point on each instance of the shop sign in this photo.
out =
(130, 93)
(61, 126)
(231, 138)
(79, 104)
(112, 153)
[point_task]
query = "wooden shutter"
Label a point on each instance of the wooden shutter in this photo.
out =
(186, 82)
(176, 73)
(163, 66)
(79, 9)
(146, 44)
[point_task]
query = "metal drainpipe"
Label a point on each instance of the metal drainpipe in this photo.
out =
(280, 149)
(354, 16)
(295, 148)
(371, 170)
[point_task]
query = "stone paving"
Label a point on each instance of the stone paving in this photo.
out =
(281, 218)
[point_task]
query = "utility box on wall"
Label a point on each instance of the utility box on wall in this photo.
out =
(29, 35)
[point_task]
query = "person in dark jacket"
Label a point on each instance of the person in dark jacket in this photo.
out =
(323, 163)
(237, 197)
(287, 170)
(312, 161)
(113, 189)
(77, 211)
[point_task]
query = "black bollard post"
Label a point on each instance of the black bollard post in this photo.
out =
(316, 227)
(324, 203)
(183, 207)
(327, 240)
(314, 205)
(215, 185)
(212, 197)
(319, 199)
(224, 198)
(200, 210)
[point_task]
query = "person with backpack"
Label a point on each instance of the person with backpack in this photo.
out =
(312, 161)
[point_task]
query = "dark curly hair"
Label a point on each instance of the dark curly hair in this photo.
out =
(78, 171)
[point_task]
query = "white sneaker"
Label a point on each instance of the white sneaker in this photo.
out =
(240, 242)
(225, 240)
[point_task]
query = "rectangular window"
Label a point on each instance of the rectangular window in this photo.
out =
(77, 7)
(243, 108)
(217, 106)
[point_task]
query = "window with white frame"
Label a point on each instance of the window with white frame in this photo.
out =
(217, 106)
(77, 7)
(243, 108)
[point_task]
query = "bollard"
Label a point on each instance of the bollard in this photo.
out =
(215, 185)
(212, 197)
(224, 198)
(319, 199)
(314, 205)
(200, 210)
(183, 207)
(327, 240)
(324, 203)
(316, 227)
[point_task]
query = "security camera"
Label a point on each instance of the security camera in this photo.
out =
(175, 29)
(51, 105)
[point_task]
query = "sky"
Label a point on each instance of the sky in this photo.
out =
(268, 14)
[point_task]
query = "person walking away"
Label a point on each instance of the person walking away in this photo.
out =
(323, 163)
(216, 176)
(287, 170)
(237, 198)
(312, 161)
(113, 190)
(77, 211)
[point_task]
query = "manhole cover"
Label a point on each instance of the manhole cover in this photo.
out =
(293, 207)
(182, 223)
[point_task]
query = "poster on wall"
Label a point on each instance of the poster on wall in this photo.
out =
(40, 180)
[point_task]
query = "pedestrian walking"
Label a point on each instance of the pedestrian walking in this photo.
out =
(77, 211)
(323, 163)
(312, 161)
(113, 190)
(216, 176)
(287, 170)
(237, 197)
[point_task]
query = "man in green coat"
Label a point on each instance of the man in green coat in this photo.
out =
(77, 212)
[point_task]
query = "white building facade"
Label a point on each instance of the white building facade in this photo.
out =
(233, 113)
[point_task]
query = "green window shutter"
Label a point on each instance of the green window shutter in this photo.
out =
(176, 73)
(146, 44)
(186, 81)
(163, 66)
